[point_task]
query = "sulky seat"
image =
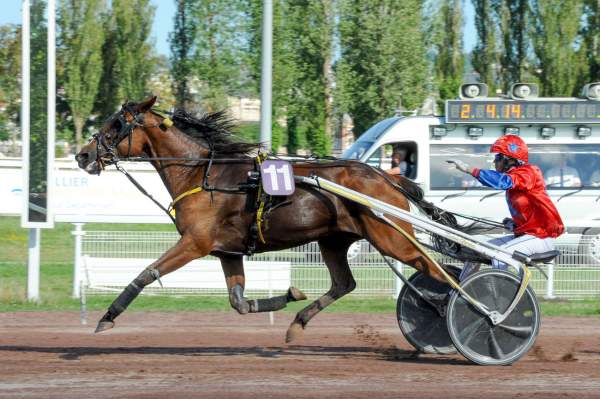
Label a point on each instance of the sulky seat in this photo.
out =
(540, 257)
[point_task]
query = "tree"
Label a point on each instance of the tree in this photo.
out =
(182, 48)
(218, 51)
(449, 62)
(591, 39)
(80, 47)
(309, 33)
(161, 84)
(383, 63)
(127, 53)
(484, 57)
(302, 71)
(555, 30)
(512, 17)
(10, 70)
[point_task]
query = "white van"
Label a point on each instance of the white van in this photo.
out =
(563, 136)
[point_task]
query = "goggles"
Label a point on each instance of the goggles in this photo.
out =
(499, 157)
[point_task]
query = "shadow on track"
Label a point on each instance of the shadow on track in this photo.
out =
(389, 353)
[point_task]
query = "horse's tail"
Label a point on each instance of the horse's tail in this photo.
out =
(414, 193)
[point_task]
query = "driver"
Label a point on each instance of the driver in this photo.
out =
(535, 221)
(399, 164)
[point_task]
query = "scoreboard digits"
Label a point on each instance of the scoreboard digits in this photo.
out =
(513, 111)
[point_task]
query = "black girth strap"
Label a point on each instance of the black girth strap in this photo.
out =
(255, 198)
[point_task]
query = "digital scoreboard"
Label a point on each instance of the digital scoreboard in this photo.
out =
(516, 111)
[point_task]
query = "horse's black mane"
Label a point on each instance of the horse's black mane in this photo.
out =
(214, 129)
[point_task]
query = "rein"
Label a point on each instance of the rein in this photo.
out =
(143, 191)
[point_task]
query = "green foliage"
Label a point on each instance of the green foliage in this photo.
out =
(4, 130)
(128, 55)
(512, 17)
(10, 70)
(249, 132)
(449, 62)
(302, 52)
(553, 43)
(296, 138)
(591, 40)
(81, 39)
(501, 55)
(554, 35)
(218, 50)
(182, 46)
(278, 136)
(485, 56)
(308, 30)
(383, 64)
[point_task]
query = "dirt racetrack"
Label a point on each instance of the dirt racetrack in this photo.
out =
(223, 355)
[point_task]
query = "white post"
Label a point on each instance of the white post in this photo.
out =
(33, 258)
(25, 117)
(550, 282)
(271, 315)
(77, 267)
(33, 266)
(266, 75)
(399, 282)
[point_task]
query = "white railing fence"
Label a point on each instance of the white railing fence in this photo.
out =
(574, 275)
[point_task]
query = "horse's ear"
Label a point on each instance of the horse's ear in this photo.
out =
(145, 106)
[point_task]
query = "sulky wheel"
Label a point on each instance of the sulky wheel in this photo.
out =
(423, 325)
(473, 333)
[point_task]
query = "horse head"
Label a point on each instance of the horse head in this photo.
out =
(122, 135)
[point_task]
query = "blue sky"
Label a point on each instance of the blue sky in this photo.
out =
(163, 22)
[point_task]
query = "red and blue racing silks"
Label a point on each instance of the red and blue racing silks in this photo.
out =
(530, 206)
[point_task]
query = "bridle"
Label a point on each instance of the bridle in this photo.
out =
(125, 132)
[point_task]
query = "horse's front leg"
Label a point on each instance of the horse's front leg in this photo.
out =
(180, 254)
(233, 267)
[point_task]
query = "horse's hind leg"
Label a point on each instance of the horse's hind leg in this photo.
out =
(334, 251)
(233, 267)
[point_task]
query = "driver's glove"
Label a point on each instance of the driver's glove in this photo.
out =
(460, 165)
(509, 224)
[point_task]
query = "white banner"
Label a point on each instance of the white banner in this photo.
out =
(80, 197)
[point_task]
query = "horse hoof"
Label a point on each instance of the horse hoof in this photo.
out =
(242, 307)
(294, 332)
(104, 325)
(294, 294)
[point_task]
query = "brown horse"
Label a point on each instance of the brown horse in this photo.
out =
(197, 152)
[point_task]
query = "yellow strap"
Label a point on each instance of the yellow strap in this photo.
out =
(259, 221)
(259, 159)
(167, 122)
(171, 208)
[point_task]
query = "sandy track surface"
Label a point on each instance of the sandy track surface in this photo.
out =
(224, 355)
